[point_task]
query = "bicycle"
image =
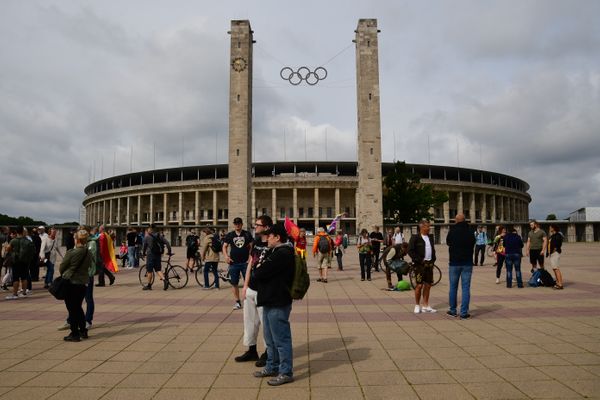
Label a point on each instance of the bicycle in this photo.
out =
(221, 273)
(390, 255)
(176, 276)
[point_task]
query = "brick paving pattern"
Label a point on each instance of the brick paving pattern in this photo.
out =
(352, 340)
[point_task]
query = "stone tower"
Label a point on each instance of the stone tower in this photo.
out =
(370, 190)
(240, 122)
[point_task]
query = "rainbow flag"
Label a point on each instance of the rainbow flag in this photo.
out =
(291, 228)
(331, 228)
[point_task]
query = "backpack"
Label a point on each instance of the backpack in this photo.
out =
(158, 246)
(534, 280)
(191, 242)
(546, 279)
(26, 252)
(301, 280)
(324, 245)
(215, 244)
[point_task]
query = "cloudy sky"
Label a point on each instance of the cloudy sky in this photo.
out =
(507, 86)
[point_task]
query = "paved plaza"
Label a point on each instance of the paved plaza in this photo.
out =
(352, 340)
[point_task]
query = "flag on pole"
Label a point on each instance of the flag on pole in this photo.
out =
(291, 228)
(333, 225)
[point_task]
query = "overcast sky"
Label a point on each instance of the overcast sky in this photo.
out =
(506, 86)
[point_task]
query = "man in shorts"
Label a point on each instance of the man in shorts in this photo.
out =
(237, 246)
(153, 247)
(20, 267)
(192, 243)
(536, 245)
(422, 252)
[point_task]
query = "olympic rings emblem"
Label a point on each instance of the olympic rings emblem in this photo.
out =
(303, 74)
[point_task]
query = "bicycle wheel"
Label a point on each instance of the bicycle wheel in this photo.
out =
(437, 275)
(412, 278)
(177, 276)
(199, 275)
(142, 276)
(490, 251)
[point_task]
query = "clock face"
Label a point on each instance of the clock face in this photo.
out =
(238, 64)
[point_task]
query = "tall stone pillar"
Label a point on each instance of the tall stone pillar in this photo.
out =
(484, 208)
(493, 205)
(128, 217)
(165, 210)
(295, 204)
(240, 122)
(274, 204)
(197, 207)
(501, 210)
(316, 211)
(151, 212)
(216, 211)
(472, 211)
(110, 212)
(139, 210)
(460, 207)
(180, 210)
(446, 207)
(337, 201)
(370, 192)
(119, 211)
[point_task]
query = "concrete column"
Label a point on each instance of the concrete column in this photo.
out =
(216, 210)
(337, 201)
(197, 207)
(151, 212)
(502, 216)
(139, 210)
(240, 121)
(443, 233)
(369, 194)
(180, 211)
(493, 205)
(274, 204)
(484, 208)
(253, 211)
(295, 203)
(104, 212)
(459, 204)
(165, 208)
(446, 207)
(128, 217)
(571, 233)
(589, 232)
(472, 213)
(316, 208)
(119, 211)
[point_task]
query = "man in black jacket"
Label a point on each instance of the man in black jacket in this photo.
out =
(273, 278)
(422, 252)
(460, 241)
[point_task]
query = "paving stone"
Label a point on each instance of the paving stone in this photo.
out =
(541, 389)
(442, 391)
(29, 393)
(495, 391)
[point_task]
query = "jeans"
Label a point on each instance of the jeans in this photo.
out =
(131, 256)
(89, 300)
(513, 260)
(365, 265)
(49, 272)
(339, 256)
(500, 260)
(376, 258)
(211, 266)
(462, 272)
(73, 300)
(278, 338)
(479, 248)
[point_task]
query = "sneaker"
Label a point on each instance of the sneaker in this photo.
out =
(237, 305)
(247, 356)
(64, 326)
(324, 281)
(264, 373)
(428, 309)
(28, 292)
(497, 281)
(84, 334)
(262, 361)
(280, 380)
(22, 295)
(72, 338)
(451, 314)
(12, 297)
(466, 316)
(88, 325)
(417, 309)
(147, 287)
(206, 288)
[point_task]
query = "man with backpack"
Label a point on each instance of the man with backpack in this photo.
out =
(252, 313)
(154, 244)
(237, 246)
(23, 251)
(323, 246)
(191, 244)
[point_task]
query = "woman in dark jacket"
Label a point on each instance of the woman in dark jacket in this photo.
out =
(273, 275)
(74, 268)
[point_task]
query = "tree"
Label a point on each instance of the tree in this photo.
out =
(23, 221)
(406, 198)
(551, 217)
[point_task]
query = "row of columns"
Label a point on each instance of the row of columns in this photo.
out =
(502, 208)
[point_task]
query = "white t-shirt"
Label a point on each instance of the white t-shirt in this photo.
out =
(398, 238)
(428, 251)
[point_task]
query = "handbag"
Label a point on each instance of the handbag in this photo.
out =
(58, 288)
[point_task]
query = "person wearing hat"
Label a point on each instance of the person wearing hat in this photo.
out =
(274, 275)
(237, 246)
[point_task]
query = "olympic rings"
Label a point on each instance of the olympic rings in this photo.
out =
(303, 74)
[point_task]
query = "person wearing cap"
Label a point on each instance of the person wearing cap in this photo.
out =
(274, 275)
(74, 268)
(237, 246)
(154, 242)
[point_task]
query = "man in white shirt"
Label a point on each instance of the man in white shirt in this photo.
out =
(398, 238)
(422, 252)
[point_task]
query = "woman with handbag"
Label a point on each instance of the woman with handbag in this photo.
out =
(74, 271)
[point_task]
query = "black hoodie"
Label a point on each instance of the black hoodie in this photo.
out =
(461, 241)
(273, 277)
